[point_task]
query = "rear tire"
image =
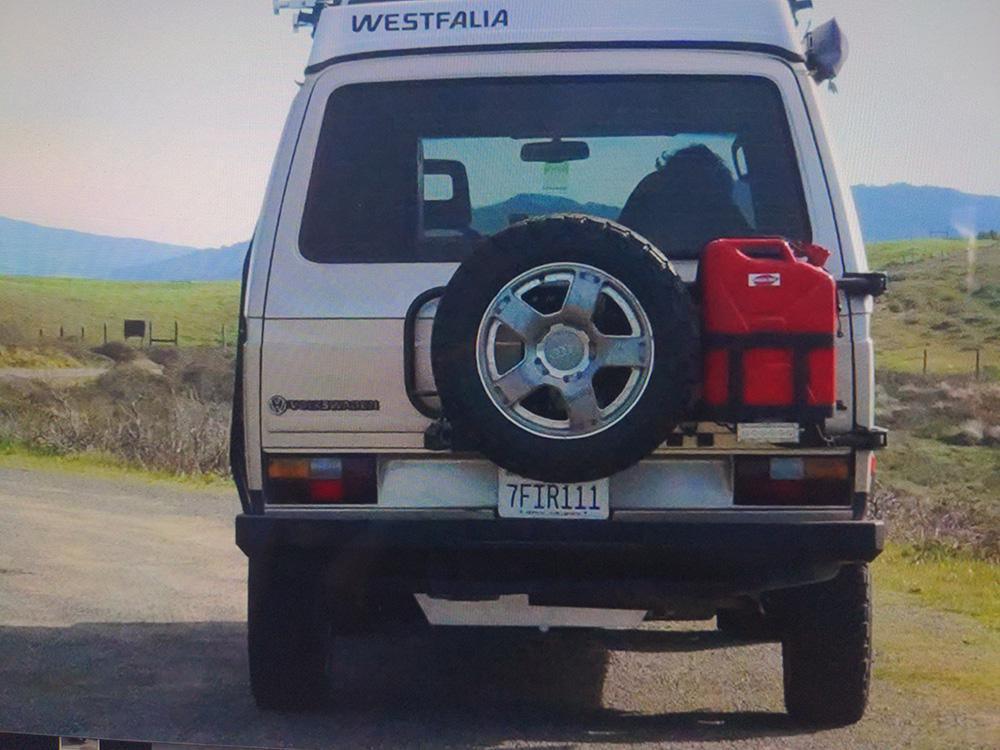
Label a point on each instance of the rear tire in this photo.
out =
(536, 448)
(826, 648)
(288, 632)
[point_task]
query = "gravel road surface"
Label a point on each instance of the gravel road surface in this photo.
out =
(122, 615)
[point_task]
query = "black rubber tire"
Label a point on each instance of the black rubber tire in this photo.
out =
(827, 649)
(614, 249)
(747, 625)
(288, 632)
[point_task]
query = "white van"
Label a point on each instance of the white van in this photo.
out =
(486, 363)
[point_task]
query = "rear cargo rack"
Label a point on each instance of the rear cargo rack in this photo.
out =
(863, 439)
(308, 14)
(874, 283)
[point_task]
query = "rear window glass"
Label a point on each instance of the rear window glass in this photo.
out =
(420, 171)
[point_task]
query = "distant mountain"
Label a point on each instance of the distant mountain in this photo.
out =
(901, 211)
(220, 264)
(32, 250)
(887, 212)
(493, 218)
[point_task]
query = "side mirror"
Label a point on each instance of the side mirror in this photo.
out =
(555, 151)
(826, 51)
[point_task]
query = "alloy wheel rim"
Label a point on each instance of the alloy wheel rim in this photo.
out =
(565, 350)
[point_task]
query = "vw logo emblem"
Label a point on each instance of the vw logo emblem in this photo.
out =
(278, 405)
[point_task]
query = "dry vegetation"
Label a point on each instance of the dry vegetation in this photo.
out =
(940, 480)
(166, 412)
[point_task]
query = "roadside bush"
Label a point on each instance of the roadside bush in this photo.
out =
(164, 356)
(935, 523)
(209, 374)
(117, 351)
(137, 416)
(953, 410)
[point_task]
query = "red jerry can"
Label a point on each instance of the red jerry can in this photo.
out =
(769, 319)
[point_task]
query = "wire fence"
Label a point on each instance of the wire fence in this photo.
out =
(980, 363)
(143, 332)
(917, 254)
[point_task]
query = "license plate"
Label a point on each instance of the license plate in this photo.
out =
(518, 497)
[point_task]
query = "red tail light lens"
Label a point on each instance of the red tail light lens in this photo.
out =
(325, 480)
(793, 480)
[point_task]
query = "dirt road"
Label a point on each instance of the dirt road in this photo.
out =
(121, 615)
(51, 375)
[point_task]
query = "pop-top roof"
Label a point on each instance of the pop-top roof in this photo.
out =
(346, 31)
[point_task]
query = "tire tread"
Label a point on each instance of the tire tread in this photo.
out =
(826, 649)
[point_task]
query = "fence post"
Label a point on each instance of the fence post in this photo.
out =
(177, 335)
(60, 331)
(977, 364)
(223, 339)
(925, 360)
(41, 333)
(105, 332)
(83, 333)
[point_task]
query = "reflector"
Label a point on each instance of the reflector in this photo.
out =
(827, 468)
(288, 468)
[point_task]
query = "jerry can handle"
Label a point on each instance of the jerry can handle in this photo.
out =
(751, 244)
(815, 255)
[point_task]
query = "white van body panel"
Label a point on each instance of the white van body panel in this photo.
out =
(354, 30)
(277, 183)
(335, 331)
(470, 483)
(859, 310)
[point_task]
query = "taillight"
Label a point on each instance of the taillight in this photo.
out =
(793, 480)
(326, 480)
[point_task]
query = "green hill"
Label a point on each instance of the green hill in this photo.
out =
(29, 304)
(943, 296)
(930, 304)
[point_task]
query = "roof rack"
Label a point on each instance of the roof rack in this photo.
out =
(308, 13)
(798, 6)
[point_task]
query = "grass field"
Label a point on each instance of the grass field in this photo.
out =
(28, 304)
(36, 357)
(943, 297)
(20, 456)
(931, 304)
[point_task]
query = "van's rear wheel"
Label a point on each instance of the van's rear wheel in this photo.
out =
(827, 649)
(288, 632)
(565, 349)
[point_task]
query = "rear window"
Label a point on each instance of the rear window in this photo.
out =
(420, 171)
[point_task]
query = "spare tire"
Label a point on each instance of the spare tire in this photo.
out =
(565, 349)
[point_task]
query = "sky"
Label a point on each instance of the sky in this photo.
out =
(159, 118)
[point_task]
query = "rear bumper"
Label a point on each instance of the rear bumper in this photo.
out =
(560, 561)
